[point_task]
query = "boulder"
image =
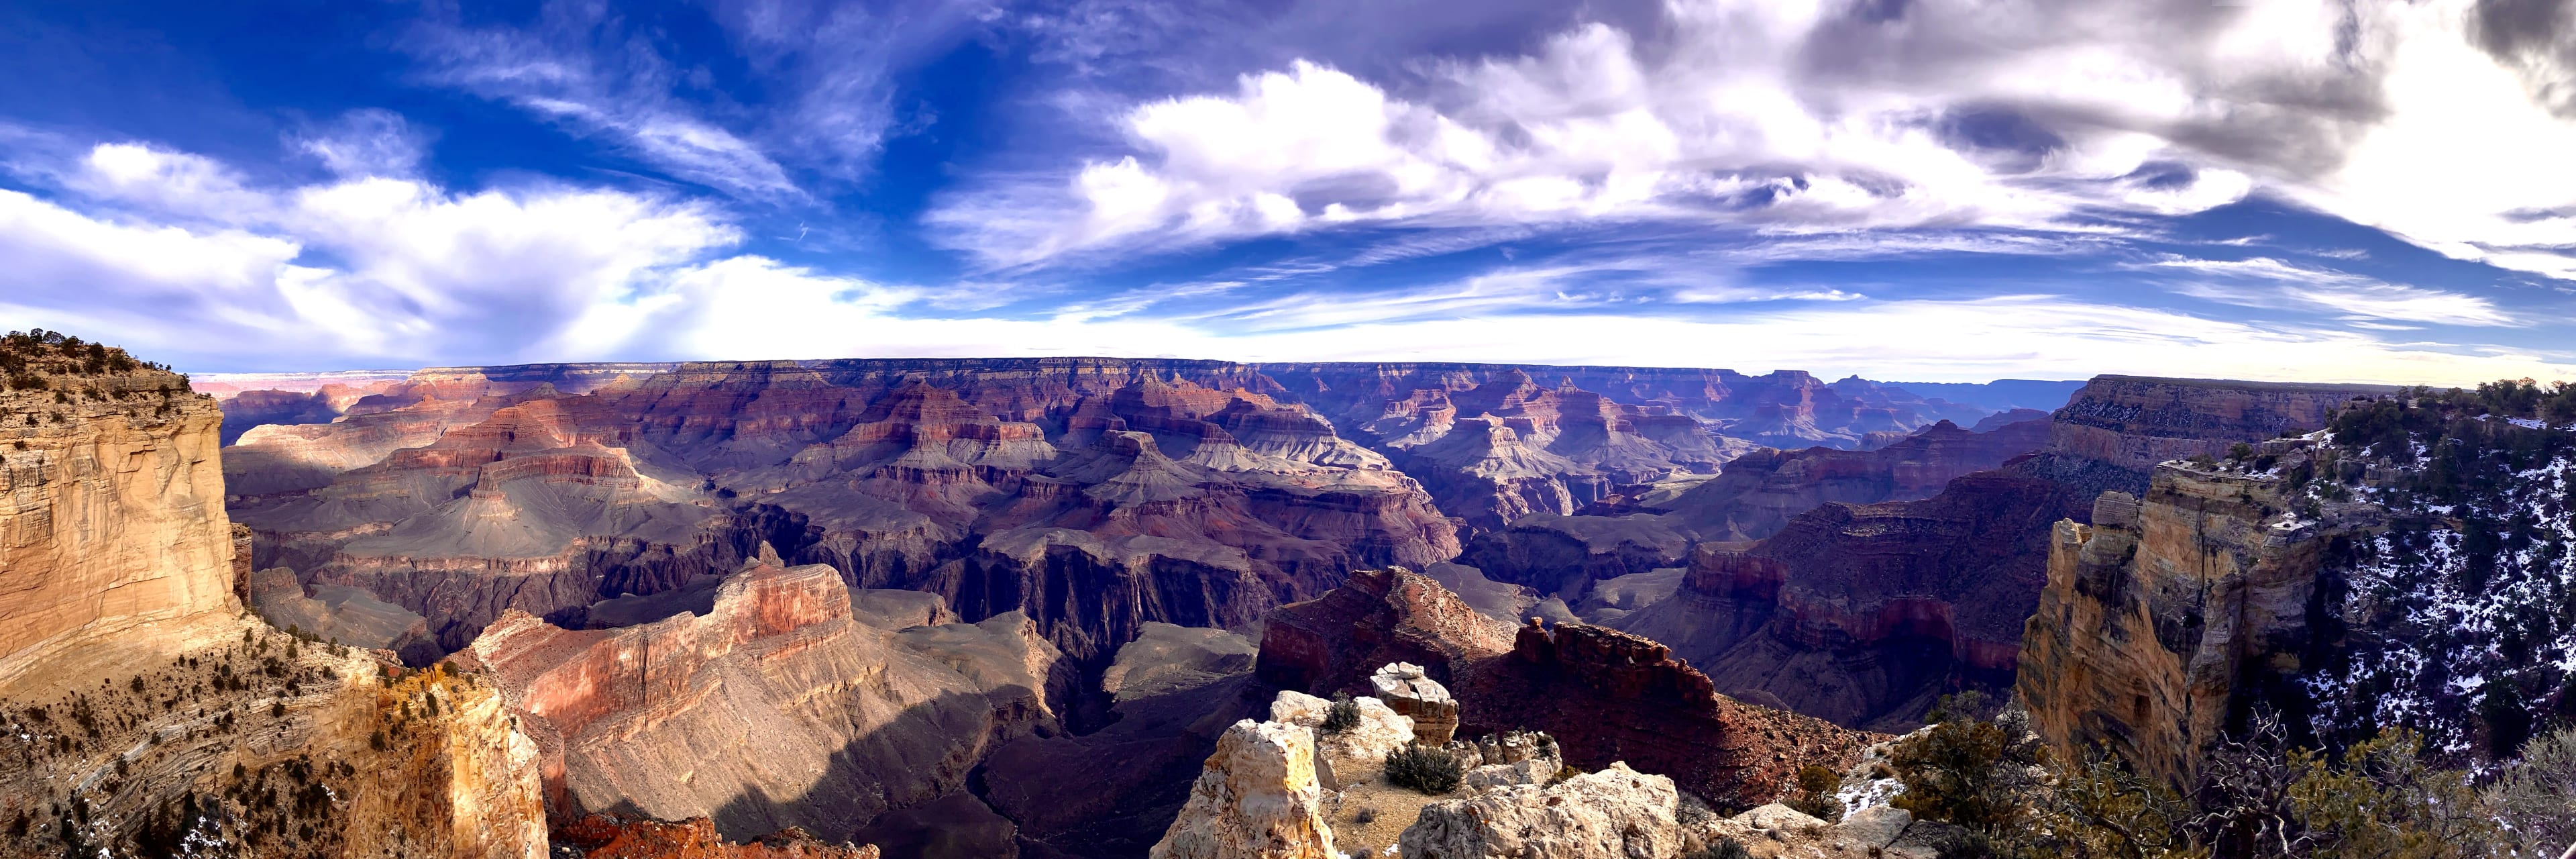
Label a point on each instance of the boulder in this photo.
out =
(1616, 813)
(1256, 799)
(1406, 690)
(1360, 748)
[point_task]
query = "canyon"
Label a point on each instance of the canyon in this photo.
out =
(941, 601)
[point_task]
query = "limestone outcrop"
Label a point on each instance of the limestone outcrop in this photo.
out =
(2132, 423)
(2161, 612)
(1404, 688)
(1256, 799)
(1615, 813)
(114, 542)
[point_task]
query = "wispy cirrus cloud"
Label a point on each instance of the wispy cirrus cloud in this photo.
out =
(2273, 283)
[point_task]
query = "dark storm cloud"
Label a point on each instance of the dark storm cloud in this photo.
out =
(2538, 39)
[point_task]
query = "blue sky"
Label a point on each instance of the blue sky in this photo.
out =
(1919, 189)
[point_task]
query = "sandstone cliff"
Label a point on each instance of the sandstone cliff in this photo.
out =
(114, 543)
(271, 746)
(2157, 615)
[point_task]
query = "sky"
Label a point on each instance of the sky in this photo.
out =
(1932, 190)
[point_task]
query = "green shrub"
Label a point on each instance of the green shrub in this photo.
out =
(1343, 715)
(1725, 848)
(1428, 769)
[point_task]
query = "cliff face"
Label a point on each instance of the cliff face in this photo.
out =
(1753, 497)
(113, 536)
(851, 721)
(1864, 614)
(2161, 613)
(1606, 696)
(2134, 422)
(1094, 496)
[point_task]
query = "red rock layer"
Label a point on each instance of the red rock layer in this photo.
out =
(774, 708)
(1863, 614)
(1605, 695)
(1756, 495)
(610, 836)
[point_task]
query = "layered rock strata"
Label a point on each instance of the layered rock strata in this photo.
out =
(853, 721)
(1754, 497)
(1864, 614)
(114, 542)
(2161, 613)
(1422, 699)
(1604, 695)
(1092, 501)
(271, 746)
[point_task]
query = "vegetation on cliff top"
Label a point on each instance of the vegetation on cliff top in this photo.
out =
(2258, 796)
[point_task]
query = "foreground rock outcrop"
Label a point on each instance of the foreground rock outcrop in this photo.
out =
(1611, 814)
(1257, 799)
(1603, 695)
(2159, 616)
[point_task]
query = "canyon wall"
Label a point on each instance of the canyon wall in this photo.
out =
(2159, 615)
(1864, 614)
(113, 536)
(849, 721)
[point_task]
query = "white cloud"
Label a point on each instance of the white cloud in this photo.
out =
(366, 142)
(1803, 116)
(186, 259)
(2268, 282)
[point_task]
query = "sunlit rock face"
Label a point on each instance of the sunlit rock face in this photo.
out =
(1096, 496)
(774, 708)
(113, 536)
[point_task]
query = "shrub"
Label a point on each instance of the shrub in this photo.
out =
(1815, 794)
(1343, 715)
(2538, 797)
(1725, 848)
(1428, 769)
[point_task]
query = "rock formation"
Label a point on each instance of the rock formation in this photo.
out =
(1611, 814)
(1864, 614)
(1405, 690)
(2158, 615)
(1112, 792)
(850, 721)
(2131, 423)
(1605, 696)
(1257, 799)
(1754, 497)
(605, 836)
(1000, 486)
(114, 543)
(270, 746)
